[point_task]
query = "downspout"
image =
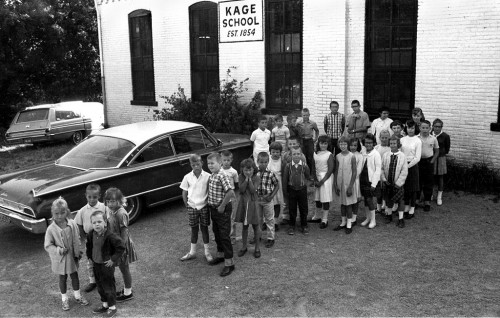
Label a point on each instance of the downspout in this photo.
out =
(101, 60)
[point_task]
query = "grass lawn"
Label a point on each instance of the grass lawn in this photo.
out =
(22, 156)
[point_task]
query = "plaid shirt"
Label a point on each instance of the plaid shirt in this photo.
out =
(392, 168)
(334, 125)
(218, 185)
(268, 182)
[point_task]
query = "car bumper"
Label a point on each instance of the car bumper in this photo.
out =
(36, 226)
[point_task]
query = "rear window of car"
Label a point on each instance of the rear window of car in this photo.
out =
(33, 115)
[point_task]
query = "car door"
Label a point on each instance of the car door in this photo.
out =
(189, 142)
(66, 123)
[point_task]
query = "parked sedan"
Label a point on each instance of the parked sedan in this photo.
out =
(146, 160)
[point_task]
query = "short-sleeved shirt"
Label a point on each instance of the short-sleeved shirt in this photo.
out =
(268, 182)
(117, 220)
(232, 174)
(197, 189)
(308, 129)
(428, 145)
(218, 185)
(334, 124)
(97, 243)
(83, 215)
(281, 135)
(378, 125)
(356, 123)
(260, 140)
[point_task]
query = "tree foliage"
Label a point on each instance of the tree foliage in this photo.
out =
(48, 53)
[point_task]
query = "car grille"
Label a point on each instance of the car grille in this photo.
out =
(17, 207)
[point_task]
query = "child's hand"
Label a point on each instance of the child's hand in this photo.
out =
(221, 208)
(64, 251)
(109, 263)
(349, 191)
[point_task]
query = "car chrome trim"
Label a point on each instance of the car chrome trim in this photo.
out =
(153, 190)
(66, 166)
(16, 207)
(165, 201)
(33, 225)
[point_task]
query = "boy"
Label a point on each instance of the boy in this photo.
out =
(357, 122)
(260, 138)
(105, 249)
(267, 189)
(334, 125)
(397, 128)
(232, 174)
(295, 131)
(82, 218)
(220, 209)
(287, 155)
(295, 176)
(382, 148)
(194, 187)
(430, 152)
(309, 128)
(381, 123)
(280, 133)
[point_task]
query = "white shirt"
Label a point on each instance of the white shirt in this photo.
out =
(374, 165)
(412, 148)
(260, 140)
(378, 125)
(197, 189)
(232, 174)
(83, 215)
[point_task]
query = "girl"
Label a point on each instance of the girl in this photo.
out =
(417, 115)
(118, 224)
(343, 184)
(275, 165)
(440, 164)
(62, 242)
(382, 148)
(411, 146)
(323, 181)
(369, 178)
(247, 212)
(355, 148)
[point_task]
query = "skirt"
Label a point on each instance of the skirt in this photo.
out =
(392, 194)
(412, 183)
(366, 191)
(440, 166)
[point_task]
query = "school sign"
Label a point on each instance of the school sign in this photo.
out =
(240, 21)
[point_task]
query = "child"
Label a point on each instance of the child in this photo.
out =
(247, 205)
(266, 190)
(260, 138)
(440, 164)
(105, 249)
(382, 148)
(369, 179)
(232, 174)
(310, 133)
(276, 165)
(287, 155)
(393, 177)
(280, 133)
(358, 122)
(417, 115)
(397, 128)
(295, 130)
(62, 242)
(334, 125)
(355, 148)
(117, 219)
(343, 184)
(323, 180)
(220, 208)
(82, 219)
(295, 177)
(430, 152)
(381, 123)
(194, 187)
(411, 146)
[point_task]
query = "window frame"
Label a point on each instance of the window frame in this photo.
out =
(141, 98)
(134, 162)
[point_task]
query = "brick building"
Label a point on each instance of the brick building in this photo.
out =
(440, 55)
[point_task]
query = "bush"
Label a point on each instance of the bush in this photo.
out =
(478, 178)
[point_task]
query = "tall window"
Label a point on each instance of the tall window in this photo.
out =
(284, 55)
(390, 47)
(141, 54)
(204, 39)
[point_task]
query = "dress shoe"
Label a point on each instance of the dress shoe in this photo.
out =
(242, 252)
(256, 254)
(227, 270)
(188, 257)
(339, 227)
(216, 261)
(323, 225)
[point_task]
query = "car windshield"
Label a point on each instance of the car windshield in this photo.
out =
(97, 152)
(33, 115)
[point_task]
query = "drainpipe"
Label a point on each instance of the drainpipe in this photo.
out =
(101, 60)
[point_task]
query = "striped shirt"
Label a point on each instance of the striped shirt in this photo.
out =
(268, 182)
(334, 125)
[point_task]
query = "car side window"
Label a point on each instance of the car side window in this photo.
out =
(157, 150)
(188, 141)
(66, 114)
(206, 139)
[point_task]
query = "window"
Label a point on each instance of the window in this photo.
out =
(157, 150)
(284, 55)
(66, 114)
(188, 141)
(141, 56)
(390, 47)
(33, 115)
(204, 38)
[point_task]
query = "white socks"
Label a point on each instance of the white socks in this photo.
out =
(407, 208)
(64, 297)
(193, 249)
(207, 248)
(412, 210)
(127, 291)
(349, 223)
(324, 219)
(316, 215)
(368, 218)
(77, 294)
(354, 216)
(372, 220)
(343, 223)
(440, 198)
(401, 213)
(105, 305)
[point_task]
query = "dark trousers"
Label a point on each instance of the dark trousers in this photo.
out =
(105, 280)
(298, 197)
(335, 147)
(221, 226)
(426, 177)
(308, 149)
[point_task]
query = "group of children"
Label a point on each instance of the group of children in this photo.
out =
(103, 229)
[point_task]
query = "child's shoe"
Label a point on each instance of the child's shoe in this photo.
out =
(124, 297)
(256, 254)
(427, 208)
(291, 231)
(65, 304)
(305, 230)
(82, 301)
(242, 252)
(323, 225)
(339, 227)
(348, 230)
(269, 243)
(388, 218)
(209, 257)
(439, 198)
(100, 310)
(409, 216)
(188, 257)
(401, 223)
(110, 313)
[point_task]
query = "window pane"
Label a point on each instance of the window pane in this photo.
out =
(189, 141)
(159, 150)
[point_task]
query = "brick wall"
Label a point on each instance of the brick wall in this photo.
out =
(458, 73)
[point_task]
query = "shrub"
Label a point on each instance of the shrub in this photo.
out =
(477, 178)
(182, 108)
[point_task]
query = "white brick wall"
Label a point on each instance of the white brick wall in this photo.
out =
(458, 73)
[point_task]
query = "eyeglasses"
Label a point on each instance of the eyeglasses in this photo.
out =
(436, 126)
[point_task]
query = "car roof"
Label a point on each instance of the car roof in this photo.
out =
(141, 132)
(57, 105)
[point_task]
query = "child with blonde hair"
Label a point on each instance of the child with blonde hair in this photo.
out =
(323, 179)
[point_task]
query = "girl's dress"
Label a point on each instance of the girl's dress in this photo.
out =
(55, 240)
(412, 147)
(275, 167)
(344, 178)
(116, 221)
(247, 212)
(359, 168)
(324, 193)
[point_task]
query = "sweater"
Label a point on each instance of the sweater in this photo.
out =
(54, 244)
(374, 165)
(112, 248)
(401, 168)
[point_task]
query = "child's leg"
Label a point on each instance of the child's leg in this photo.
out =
(401, 221)
(326, 209)
(244, 236)
(62, 286)
(75, 282)
(90, 269)
(206, 240)
(292, 206)
(256, 231)
(349, 215)
(269, 219)
(106, 286)
(215, 228)
(194, 237)
(232, 234)
(277, 210)
(343, 214)
(440, 190)
(354, 209)
(127, 277)
(317, 212)
(303, 206)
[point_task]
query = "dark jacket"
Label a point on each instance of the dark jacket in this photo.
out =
(112, 248)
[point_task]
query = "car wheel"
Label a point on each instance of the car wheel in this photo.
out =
(134, 209)
(77, 137)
